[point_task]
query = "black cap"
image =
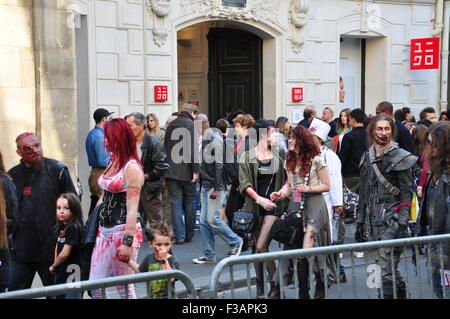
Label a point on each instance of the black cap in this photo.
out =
(101, 113)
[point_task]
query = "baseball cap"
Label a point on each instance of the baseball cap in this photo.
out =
(101, 113)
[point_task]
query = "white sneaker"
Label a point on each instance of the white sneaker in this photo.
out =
(236, 250)
(359, 254)
(203, 260)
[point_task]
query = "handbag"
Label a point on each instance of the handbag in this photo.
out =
(350, 200)
(243, 222)
(289, 228)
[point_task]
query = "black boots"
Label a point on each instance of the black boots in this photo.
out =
(320, 286)
(303, 278)
(260, 289)
(274, 292)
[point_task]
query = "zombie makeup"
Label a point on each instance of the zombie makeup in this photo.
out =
(30, 149)
(383, 133)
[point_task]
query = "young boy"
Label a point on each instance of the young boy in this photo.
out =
(160, 239)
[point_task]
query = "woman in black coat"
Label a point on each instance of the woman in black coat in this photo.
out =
(434, 216)
(8, 209)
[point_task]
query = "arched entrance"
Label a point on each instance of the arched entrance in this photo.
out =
(228, 64)
(235, 72)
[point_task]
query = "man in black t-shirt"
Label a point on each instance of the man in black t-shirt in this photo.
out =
(353, 146)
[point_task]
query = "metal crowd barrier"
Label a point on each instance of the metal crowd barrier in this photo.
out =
(126, 280)
(368, 278)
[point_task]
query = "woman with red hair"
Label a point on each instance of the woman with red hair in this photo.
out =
(120, 234)
(307, 177)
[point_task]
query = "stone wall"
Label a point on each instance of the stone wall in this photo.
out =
(37, 78)
(17, 77)
(56, 81)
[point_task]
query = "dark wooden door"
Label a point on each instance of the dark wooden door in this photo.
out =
(235, 72)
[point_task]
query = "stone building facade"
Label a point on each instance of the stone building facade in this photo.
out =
(63, 59)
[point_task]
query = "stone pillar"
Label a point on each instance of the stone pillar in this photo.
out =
(17, 77)
(55, 67)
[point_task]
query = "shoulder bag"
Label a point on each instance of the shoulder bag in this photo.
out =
(289, 228)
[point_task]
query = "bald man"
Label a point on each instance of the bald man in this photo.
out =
(39, 182)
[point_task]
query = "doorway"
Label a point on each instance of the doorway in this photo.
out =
(352, 71)
(234, 73)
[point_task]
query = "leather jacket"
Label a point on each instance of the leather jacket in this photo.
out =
(154, 161)
(181, 137)
(47, 183)
(211, 169)
(377, 205)
(435, 212)
(12, 209)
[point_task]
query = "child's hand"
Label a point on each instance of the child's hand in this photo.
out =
(162, 253)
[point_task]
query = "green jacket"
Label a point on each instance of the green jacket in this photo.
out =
(248, 173)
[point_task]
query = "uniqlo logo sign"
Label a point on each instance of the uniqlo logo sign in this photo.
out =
(424, 54)
(297, 94)
(160, 93)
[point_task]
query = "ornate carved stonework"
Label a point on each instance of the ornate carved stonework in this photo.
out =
(297, 44)
(370, 16)
(258, 10)
(160, 36)
(299, 12)
(160, 7)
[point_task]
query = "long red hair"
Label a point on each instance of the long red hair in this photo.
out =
(120, 141)
(308, 150)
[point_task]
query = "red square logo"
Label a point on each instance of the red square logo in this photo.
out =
(161, 94)
(424, 54)
(297, 94)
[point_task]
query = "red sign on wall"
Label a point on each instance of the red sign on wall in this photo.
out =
(297, 94)
(424, 54)
(161, 94)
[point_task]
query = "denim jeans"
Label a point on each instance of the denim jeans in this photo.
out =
(211, 224)
(183, 215)
(5, 273)
(436, 273)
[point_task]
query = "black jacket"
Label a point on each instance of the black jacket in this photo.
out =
(377, 206)
(332, 133)
(231, 160)
(438, 208)
(48, 182)
(12, 208)
(404, 138)
(184, 161)
(353, 146)
(211, 169)
(155, 164)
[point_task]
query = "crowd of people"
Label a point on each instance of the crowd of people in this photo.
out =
(148, 181)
